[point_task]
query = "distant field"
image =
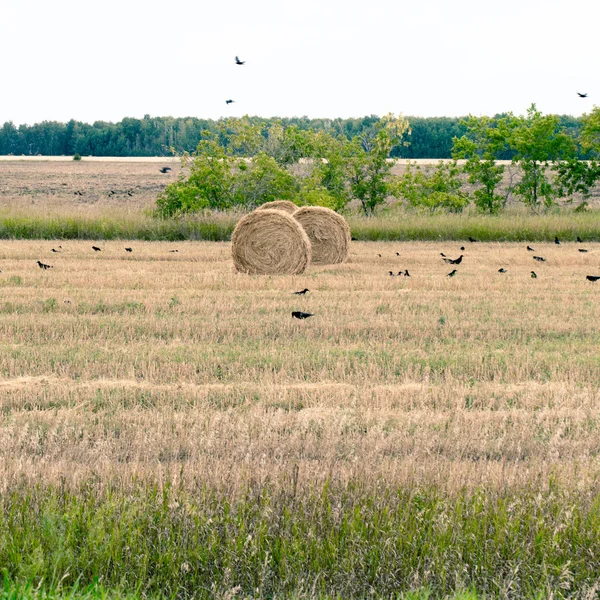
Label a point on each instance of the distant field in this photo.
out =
(421, 433)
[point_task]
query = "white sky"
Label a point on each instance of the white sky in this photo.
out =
(105, 60)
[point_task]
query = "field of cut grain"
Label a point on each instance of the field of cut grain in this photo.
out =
(412, 400)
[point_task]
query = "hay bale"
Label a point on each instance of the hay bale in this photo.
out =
(270, 242)
(328, 232)
(285, 205)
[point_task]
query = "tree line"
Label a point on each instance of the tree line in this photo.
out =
(246, 162)
(158, 136)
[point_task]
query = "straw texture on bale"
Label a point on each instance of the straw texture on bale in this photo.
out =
(285, 205)
(270, 242)
(328, 232)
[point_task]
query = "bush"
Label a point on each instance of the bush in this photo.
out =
(76, 156)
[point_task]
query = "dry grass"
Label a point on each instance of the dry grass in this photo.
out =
(156, 364)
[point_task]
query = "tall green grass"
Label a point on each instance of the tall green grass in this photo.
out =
(395, 225)
(271, 542)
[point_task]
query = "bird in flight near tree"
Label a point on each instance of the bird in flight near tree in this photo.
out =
(229, 101)
(238, 61)
(582, 95)
(165, 169)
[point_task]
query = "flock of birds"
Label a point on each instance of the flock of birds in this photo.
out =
(239, 63)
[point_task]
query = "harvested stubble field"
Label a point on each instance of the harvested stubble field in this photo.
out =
(419, 433)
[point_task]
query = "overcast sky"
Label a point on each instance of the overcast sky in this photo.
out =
(105, 60)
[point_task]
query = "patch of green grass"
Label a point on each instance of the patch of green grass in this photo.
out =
(343, 542)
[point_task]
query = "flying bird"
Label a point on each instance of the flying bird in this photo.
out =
(539, 258)
(297, 314)
(592, 277)
(96, 249)
(533, 275)
(165, 169)
(502, 270)
(406, 273)
(452, 273)
(530, 249)
(556, 240)
(128, 249)
(303, 292)
(41, 265)
(455, 261)
(238, 61)
(582, 95)
(229, 101)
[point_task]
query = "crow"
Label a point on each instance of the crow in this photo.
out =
(229, 101)
(579, 240)
(452, 273)
(238, 61)
(539, 258)
(472, 239)
(165, 169)
(392, 273)
(581, 250)
(442, 255)
(406, 273)
(297, 314)
(41, 265)
(397, 253)
(462, 248)
(96, 249)
(592, 277)
(502, 271)
(353, 239)
(55, 250)
(582, 95)
(302, 292)
(128, 249)
(556, 240)
(400, 273)
(530, 249)
(455, 261)
(533, 275)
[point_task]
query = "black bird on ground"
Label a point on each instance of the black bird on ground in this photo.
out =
(302, 292)
(397, 253)
(455, 261)
(462, 247)
(96, 249)
(592, 277)
(556, 240)
(297, 314)
(238, 61)
(406, 273)
(41, 265)
(579, 240)
(452, 273)
(128, 249)
(379, 255)
(165, 169)
(472, 239)
(353, 239)
(392, 273)
(502, 270)
(581, 250)
(533, 275)
(530, 249)
(55, 250)
(442, 255)
(539, 258)
(582, 95)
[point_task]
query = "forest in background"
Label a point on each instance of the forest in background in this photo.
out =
(155, 136)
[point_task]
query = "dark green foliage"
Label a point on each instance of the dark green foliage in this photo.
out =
(336, 541)
(76, 156)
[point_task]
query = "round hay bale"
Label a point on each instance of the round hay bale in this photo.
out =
(328, 232)
(270, 242)
(285, 205)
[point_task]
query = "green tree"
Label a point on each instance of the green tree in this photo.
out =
(537, 141)
(484, 139)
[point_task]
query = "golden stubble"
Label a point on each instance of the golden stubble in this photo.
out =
(157, 364)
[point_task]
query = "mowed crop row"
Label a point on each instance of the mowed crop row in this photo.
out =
(159, 365)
